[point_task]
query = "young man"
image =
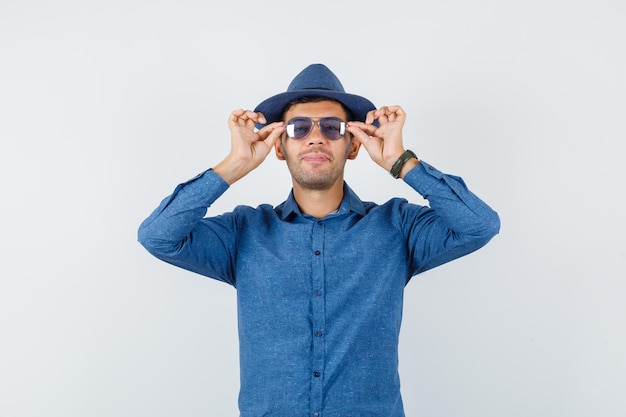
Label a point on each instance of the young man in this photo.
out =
(319, 278)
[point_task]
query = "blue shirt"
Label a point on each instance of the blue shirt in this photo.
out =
(320, 300)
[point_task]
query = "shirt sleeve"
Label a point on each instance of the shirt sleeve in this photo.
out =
(456, 223)
(177, 232)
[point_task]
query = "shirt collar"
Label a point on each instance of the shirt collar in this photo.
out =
(350, 202)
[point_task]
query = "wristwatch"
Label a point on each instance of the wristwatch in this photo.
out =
(397, 166)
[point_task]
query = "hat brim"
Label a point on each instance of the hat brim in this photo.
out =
(272, 108)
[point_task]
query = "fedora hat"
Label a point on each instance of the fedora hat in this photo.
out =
(315, 80)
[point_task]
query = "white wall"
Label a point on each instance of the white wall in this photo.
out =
(106, 106)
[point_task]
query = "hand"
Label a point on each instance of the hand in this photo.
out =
(248, 147)
(383, 143)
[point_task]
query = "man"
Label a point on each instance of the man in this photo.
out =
(319, 278)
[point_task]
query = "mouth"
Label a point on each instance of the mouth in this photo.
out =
(315, 157)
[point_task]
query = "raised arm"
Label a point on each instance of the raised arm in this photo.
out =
(457, 221)
(176, 230)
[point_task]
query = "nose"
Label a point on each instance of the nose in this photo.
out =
(316, 136)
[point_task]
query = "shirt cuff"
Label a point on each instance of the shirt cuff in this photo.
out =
(423, 177)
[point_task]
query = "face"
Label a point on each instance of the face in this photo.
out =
(316, 162)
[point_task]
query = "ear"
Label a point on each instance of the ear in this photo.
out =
(278, 147)
(355, 145)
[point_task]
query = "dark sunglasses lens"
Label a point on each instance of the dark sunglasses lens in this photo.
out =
(301, 127)
(332, 128)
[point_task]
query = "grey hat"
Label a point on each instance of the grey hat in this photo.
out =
(315, 80)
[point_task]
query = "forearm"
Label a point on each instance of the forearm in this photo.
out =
(232, 169)
(173, 220)
(464, 213)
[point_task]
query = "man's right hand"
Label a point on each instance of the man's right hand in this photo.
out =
(248, 148)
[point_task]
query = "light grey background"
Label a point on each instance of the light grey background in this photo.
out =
(106, 106)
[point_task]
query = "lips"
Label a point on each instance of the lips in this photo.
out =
(316, 157)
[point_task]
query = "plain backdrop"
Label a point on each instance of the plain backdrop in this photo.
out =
(106, 106)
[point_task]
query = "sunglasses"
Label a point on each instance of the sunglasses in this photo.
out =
(331, 127)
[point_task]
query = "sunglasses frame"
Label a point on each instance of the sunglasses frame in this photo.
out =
(290, 126)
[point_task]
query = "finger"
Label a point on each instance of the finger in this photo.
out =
(234, 116)
(362, 132)
(382, 111)
(370, 117)
(246, 114)
(399, 115)
(367, 128)
(252, 118)
(398, 111)
(265, 131)
(238, 117)
(382, 114)
(246, 118)
(390, 109)
(277, 129)
(250, 115)
(390, 114)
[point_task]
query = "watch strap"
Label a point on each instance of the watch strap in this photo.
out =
(396, 168)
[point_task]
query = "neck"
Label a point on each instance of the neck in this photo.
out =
(318, 203)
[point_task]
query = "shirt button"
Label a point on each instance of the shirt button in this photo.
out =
(318, 253)
(319, 222)
(316, 414)
(316, 374)
(318, 333)
(318, 293)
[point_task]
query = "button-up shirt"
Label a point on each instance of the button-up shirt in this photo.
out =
(319, 301)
